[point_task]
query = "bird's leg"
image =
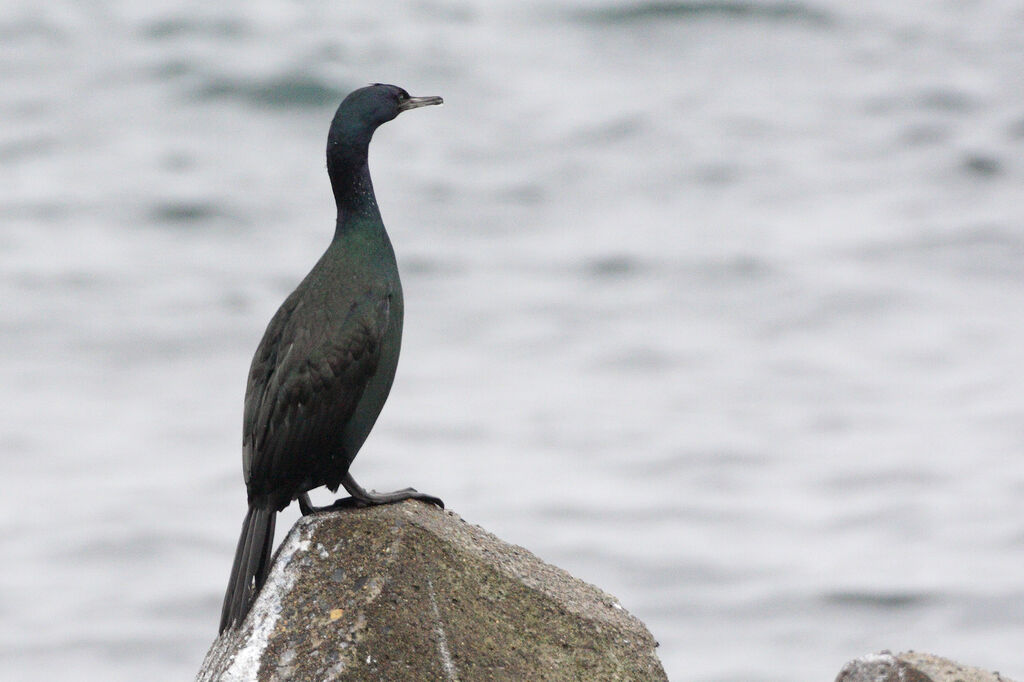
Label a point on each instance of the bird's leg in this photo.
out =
(306, 505)
(307, 508)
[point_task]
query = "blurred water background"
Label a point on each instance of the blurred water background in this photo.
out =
(718, 305)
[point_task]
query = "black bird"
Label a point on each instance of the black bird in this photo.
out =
(325, 365)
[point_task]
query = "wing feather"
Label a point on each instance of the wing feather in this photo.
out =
(305, 381)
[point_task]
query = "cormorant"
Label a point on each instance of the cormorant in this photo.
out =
(324, 368)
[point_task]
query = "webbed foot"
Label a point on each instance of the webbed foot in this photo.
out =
(362, 498)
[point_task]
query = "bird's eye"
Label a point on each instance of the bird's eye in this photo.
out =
(403, 95)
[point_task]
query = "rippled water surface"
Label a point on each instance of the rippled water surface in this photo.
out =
(718, 305)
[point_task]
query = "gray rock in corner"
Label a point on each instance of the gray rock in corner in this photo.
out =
(911, 666)
(410, 592)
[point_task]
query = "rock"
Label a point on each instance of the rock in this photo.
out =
(911, 666)
(411, 592)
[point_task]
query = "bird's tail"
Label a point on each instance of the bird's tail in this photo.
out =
(252, 559)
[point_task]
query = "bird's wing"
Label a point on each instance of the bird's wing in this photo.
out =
(307, 376)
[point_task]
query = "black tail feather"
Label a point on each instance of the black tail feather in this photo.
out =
(252, 561)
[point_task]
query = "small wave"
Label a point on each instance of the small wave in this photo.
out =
(182, 212)
(637, 359)
(981, 165)
(431, 265)
(175, 27)
(946, 102)
(613, 266)
(759, 11)
(987, 250)
(27, 147)
(733, 268)
(283, 91)
(947, 99)
(878, 600)
(31, 29)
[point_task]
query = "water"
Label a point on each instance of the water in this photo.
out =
(716, 305)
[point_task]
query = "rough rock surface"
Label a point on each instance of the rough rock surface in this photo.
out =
(410, 592)
(912, 666)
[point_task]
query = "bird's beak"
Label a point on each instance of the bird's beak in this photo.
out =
(415, 102)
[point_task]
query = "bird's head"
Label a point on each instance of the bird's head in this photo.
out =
(365, 109)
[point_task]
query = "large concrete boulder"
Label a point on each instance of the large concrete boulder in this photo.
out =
(410, 592)
(912, 666)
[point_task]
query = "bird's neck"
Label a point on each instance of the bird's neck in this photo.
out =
(353, 190)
